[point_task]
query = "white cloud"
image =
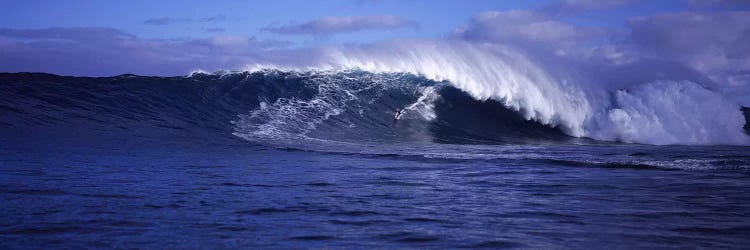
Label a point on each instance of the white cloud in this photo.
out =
(334, 24)
(106, 51)
(523, 26)
(569, 7)
(715, 44)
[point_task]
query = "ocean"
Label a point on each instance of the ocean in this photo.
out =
(286, 160)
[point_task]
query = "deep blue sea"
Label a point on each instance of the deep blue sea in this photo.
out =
(286, 160)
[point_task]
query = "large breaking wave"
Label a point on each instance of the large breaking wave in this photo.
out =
(347, 106)
(453, 92)
(650, 107)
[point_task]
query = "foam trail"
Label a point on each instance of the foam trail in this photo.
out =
(425, 104)
(654, 113)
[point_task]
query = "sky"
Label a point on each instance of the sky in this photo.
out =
(200, 19)
(100, 38)
(197, 19)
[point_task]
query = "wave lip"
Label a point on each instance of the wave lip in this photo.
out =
(550, 91)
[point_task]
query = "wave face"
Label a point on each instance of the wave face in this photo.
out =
(358, 106)
(651, 108)
(293, 108)
(271, 106)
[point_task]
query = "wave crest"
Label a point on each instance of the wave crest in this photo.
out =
(553, 93)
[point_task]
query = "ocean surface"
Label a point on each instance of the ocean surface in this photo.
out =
(283, 159)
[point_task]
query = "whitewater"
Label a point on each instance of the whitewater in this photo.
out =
(659, 110)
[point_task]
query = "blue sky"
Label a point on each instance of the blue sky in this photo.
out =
(248, 18)
(436, 18)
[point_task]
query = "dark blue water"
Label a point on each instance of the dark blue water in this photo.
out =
(124, 166)
(236, 196)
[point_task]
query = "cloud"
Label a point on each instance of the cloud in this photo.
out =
(89, 34)
(718, 4)
(158, 21)
(708, 47)
(714, 43)
(106, 51)
(567, 7)
(332, 24)
(214, 18)
(168, 20)
(213, 30)
(524, 27)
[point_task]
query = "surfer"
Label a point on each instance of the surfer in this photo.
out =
(397, 116)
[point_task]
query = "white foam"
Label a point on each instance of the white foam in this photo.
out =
(425, 104)
(664, 112)
(672, 112)
(293, 118)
